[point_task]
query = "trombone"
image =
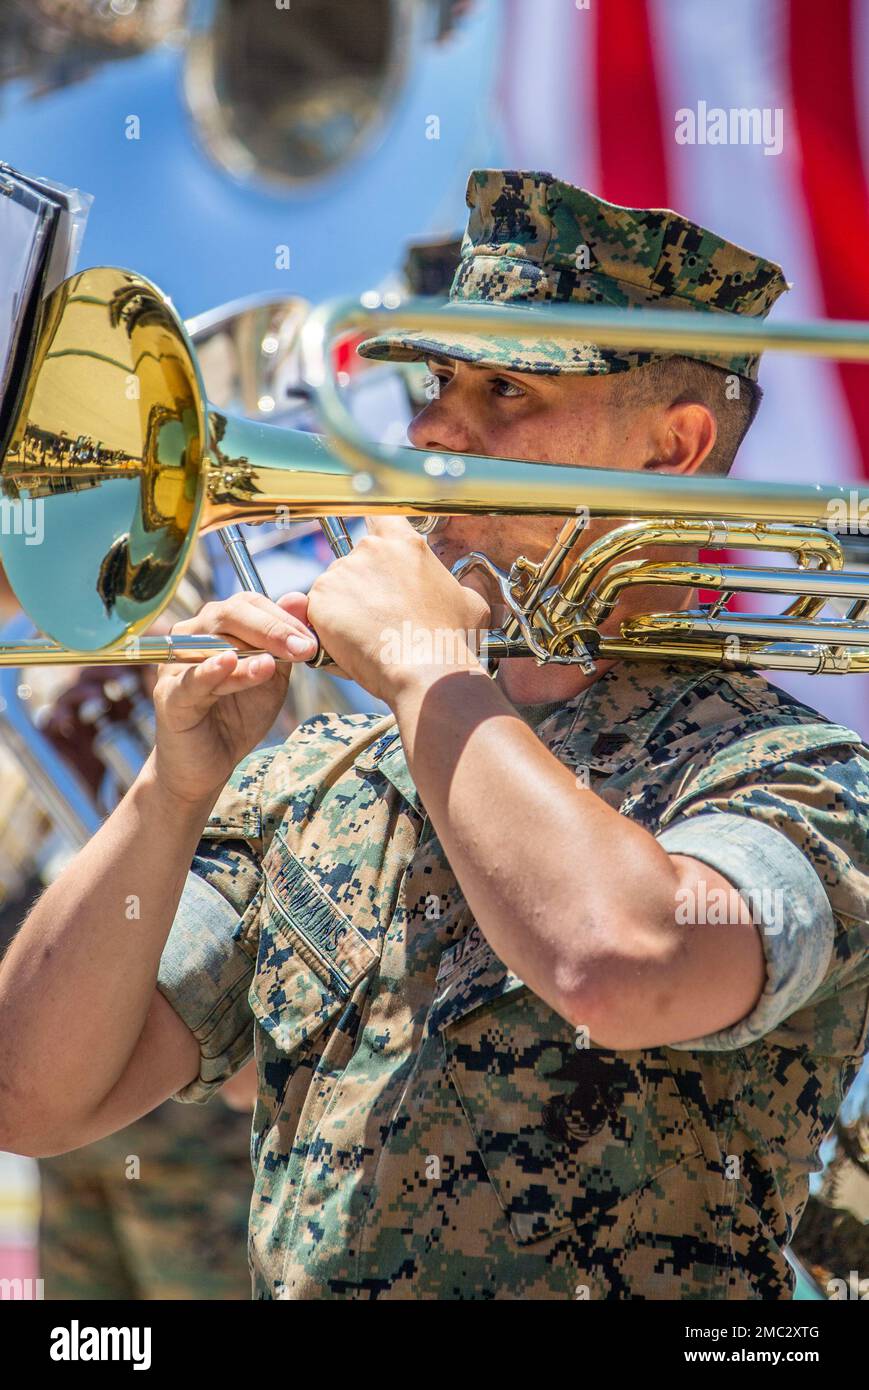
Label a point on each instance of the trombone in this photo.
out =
(114, 462)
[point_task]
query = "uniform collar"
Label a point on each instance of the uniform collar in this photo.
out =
(385, 757)
(607, 725)
(604, 727)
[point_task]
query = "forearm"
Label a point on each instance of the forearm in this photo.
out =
(78, 980)
(567, 891)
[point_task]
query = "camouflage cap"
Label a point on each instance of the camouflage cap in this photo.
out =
(533, 241)
(429, 266)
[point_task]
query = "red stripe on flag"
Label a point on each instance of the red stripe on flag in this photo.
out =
(821, 52)
(633, 166)
(344, 355)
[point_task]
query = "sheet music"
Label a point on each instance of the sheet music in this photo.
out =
(41, 227)
(25, 226)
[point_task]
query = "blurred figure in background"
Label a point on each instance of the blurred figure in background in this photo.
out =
(160, 1210)
(832, 1239)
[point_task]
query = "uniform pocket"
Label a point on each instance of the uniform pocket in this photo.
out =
(310, 956)
(564, 1132)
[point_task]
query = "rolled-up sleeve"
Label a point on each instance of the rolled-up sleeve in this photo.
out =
(205, 973)
(792, 837)
(786, 901)
(209, 958)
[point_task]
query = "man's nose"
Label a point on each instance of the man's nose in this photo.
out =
(443, 426)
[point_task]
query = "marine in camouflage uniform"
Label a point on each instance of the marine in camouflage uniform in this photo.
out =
(426, 1125)
(172, 1227)
(832, 1239)
(175, 1226)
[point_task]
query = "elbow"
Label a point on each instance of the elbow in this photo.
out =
(605, 997)
(17, 1137)
(596, 1009)
(33, 1144)
(23, 1148)
(28, 1130)
(19, 1108)
(14, 1136)
(583, 995)
(38, 1118)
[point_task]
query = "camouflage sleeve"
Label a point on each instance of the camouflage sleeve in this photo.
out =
(210, 954)
(793, 839)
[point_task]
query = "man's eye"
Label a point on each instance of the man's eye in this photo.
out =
(508, 389)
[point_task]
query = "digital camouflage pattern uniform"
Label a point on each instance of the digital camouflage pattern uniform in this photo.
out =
(176, 1230)
(427, 1127)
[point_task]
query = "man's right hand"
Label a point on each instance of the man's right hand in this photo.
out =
(211, 714)
(73, 1066)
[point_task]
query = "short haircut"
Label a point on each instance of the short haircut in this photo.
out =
(734, 400)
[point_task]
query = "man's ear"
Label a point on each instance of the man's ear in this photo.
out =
(687, 434)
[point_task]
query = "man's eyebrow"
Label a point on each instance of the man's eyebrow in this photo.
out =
(527, 378)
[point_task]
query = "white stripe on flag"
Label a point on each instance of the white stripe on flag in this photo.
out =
(803, 433)
(550, 90)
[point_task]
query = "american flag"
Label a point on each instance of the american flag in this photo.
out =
(590, 90)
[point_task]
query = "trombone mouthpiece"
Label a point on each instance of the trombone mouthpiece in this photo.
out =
(426, 525)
